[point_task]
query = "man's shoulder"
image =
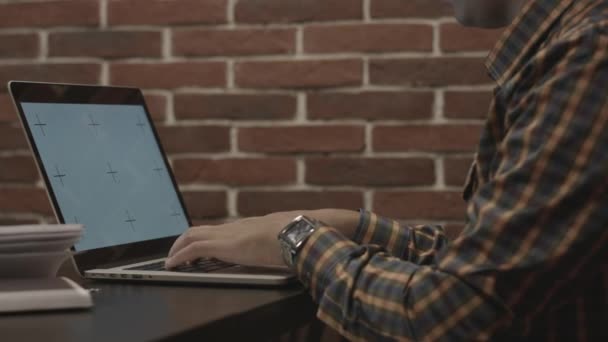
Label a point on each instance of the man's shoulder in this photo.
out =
(584, 18)
(582, 30)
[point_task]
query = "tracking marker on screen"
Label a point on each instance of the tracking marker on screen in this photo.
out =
(141, 125)
(93, 124)
(175, 213)
(130, 220)
(40, 125)
(59, 175)
(113, 173)
(158, 170)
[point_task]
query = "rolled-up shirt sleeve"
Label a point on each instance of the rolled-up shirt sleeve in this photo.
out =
(366, 294)
(418, 244)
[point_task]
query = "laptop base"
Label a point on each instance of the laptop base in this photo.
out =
(236, 275)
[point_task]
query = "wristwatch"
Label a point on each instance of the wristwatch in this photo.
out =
(293, 236)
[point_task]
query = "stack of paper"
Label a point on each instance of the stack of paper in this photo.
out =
(36, 250)
(42, 294)
(30, 257)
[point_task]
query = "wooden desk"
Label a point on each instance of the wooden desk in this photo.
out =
(138, 312)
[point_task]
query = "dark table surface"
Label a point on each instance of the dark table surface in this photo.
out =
(141, 312)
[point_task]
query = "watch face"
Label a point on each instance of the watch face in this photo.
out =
(298, 232)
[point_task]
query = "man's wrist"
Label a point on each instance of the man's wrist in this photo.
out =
(295, 234)
(344, 221)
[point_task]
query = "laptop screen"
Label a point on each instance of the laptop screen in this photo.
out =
(106, 171)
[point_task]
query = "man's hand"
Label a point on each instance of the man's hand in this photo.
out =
(251, 241)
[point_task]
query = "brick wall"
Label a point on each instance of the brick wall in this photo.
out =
(268, 105)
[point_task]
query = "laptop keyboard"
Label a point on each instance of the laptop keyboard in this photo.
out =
(200, 266)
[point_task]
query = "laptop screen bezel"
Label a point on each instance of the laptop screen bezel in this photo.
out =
(104, 95)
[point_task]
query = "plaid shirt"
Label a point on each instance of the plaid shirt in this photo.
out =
(532, 261)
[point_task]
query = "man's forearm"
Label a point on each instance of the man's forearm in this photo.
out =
(367, 228)
(368, 295)
(344, 221)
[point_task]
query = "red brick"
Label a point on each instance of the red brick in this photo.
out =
(169, 75)
(49, 13)
(299, 74)
(193, 139)
(453, 230)
(432, 138)
(19, 45)
(290, 139)
(157, 106)
(20, 169)
(107, 44)
(442, 71)
(420, 205)
(257, 203)
(368, 38)
(159, 12)
(266, 171)
(12, 138)
(374, 105)
(456, 170)
(233, 42)
(277, 11)
(62, 73)
(410, 8)
(205, 204)
(7, 110)
(455, 38)
(370, 171)
(467, 104)
(24, 200)
(234, 106)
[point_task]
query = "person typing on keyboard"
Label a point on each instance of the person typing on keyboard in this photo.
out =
(531, 261)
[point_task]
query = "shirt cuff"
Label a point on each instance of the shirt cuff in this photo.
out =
(324, 250)
(363, 226)
(377, 230)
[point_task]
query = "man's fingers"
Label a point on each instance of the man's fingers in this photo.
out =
(193, 251)
(191, 235)
(179, 243)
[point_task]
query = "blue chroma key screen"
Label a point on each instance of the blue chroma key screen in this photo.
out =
(106, 171)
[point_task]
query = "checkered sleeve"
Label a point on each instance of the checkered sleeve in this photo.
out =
(418, 244)
(368, 295)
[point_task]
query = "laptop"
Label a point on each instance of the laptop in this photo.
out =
(103, 166)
